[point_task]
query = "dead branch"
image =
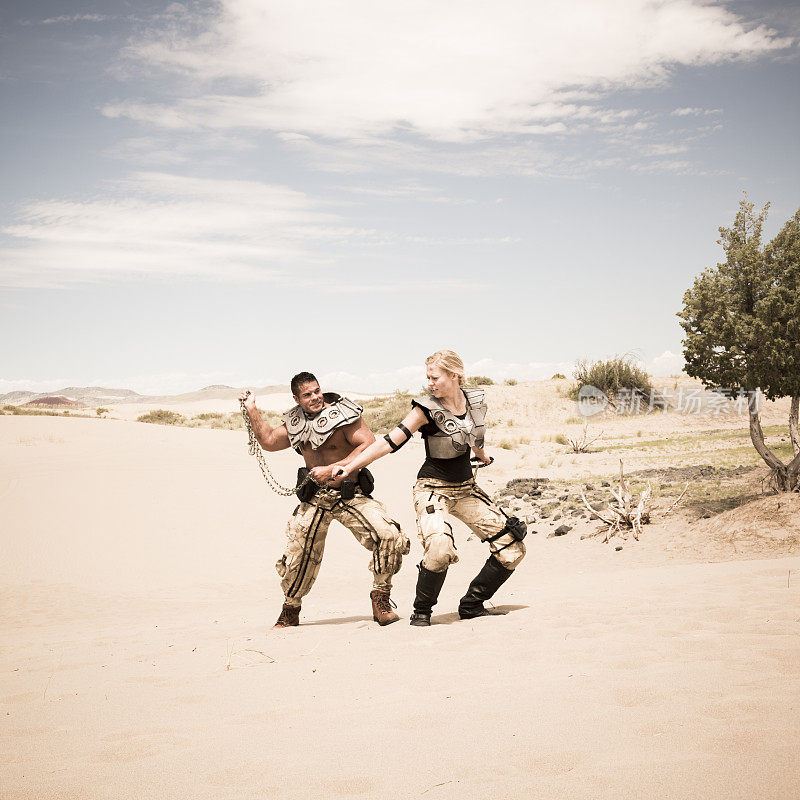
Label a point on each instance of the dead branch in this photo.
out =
(624, 516)
(685, 488)
(583, 443)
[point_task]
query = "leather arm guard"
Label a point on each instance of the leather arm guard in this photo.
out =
(405, 432)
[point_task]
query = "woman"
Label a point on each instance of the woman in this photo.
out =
(452, 422)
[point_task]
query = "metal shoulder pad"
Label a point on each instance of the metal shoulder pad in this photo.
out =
(476, 398)
(427, 401)
(295, 421)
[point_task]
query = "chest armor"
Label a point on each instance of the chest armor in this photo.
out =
(455, 436)
(302, 429)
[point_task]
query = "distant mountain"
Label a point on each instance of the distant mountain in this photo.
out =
(54, 401)
(89, 395)
(99, 395)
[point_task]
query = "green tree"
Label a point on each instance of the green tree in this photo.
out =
(742, 325)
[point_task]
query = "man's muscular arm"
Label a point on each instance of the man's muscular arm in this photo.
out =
(271, 439)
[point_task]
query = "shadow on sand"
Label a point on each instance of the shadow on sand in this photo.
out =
(336, 621)
(439, 619)
(449, 619)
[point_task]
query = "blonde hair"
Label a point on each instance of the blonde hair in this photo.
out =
(450, 362)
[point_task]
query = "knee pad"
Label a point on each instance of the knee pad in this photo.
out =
(510, 555)
(439, 552)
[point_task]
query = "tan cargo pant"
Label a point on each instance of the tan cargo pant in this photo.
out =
(435, 498)
(307, 530)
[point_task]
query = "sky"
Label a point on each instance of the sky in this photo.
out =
(235, 191)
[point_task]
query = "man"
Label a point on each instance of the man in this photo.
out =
(327, 429)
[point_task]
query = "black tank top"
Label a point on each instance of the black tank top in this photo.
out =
(454, 470)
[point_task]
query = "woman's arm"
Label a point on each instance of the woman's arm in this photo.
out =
(480, 454)
(380, 447)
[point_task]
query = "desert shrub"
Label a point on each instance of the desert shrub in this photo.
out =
(613, 377)
(101, 411)
(383, 413)
(37, 412)
(161, 416)
(558, 376)
(510, 381)
(479, 380)
(229, 422)
(573, 421)
(505, 444)
(559, 438)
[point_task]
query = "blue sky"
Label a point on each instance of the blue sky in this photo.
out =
(231, 192)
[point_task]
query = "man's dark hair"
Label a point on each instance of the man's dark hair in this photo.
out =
(301, 379)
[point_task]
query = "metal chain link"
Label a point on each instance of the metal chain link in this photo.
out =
(255, 450)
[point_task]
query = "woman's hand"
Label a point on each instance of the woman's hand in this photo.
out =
(339, 471)
(481, 455)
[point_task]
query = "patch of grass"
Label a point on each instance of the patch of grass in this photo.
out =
(383, 413)
(573, 421)
(161, 416)
(510, 381)
(558, 376)
(559, 438)
(479, 380)
(39, 412)
(505, 444)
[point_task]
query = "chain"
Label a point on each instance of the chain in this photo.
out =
(255, 450)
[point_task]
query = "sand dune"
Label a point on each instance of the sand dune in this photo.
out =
(137, 659)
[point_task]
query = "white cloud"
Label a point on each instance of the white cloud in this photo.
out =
(520, 370)
(448, 71)
(162, 224)
(695, 112)
(76, 18)
(412, 377)
(668, 363)
(157, 224)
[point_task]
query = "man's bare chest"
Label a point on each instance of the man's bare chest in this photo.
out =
(335, 448)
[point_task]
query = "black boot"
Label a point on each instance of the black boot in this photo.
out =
(429, 584)
(491, 577)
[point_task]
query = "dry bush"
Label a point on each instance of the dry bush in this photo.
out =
(612, 376)
(161, 416)
(383, 413)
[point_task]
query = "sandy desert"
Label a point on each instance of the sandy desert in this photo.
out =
(139, 590)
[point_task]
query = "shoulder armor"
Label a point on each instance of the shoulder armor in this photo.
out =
(475, 395)
(455, 436)
(338, 412)
(428, 401)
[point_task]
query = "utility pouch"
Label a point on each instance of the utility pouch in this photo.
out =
(306, 492)
(347, 489)
(517, 528)
(366, 482)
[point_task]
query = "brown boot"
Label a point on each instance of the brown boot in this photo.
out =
(382, 607)
(290, 616)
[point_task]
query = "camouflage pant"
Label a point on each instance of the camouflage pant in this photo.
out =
(307, 529)
(434, 499)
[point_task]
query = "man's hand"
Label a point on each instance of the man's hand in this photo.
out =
(322, 474)
(249, 400)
